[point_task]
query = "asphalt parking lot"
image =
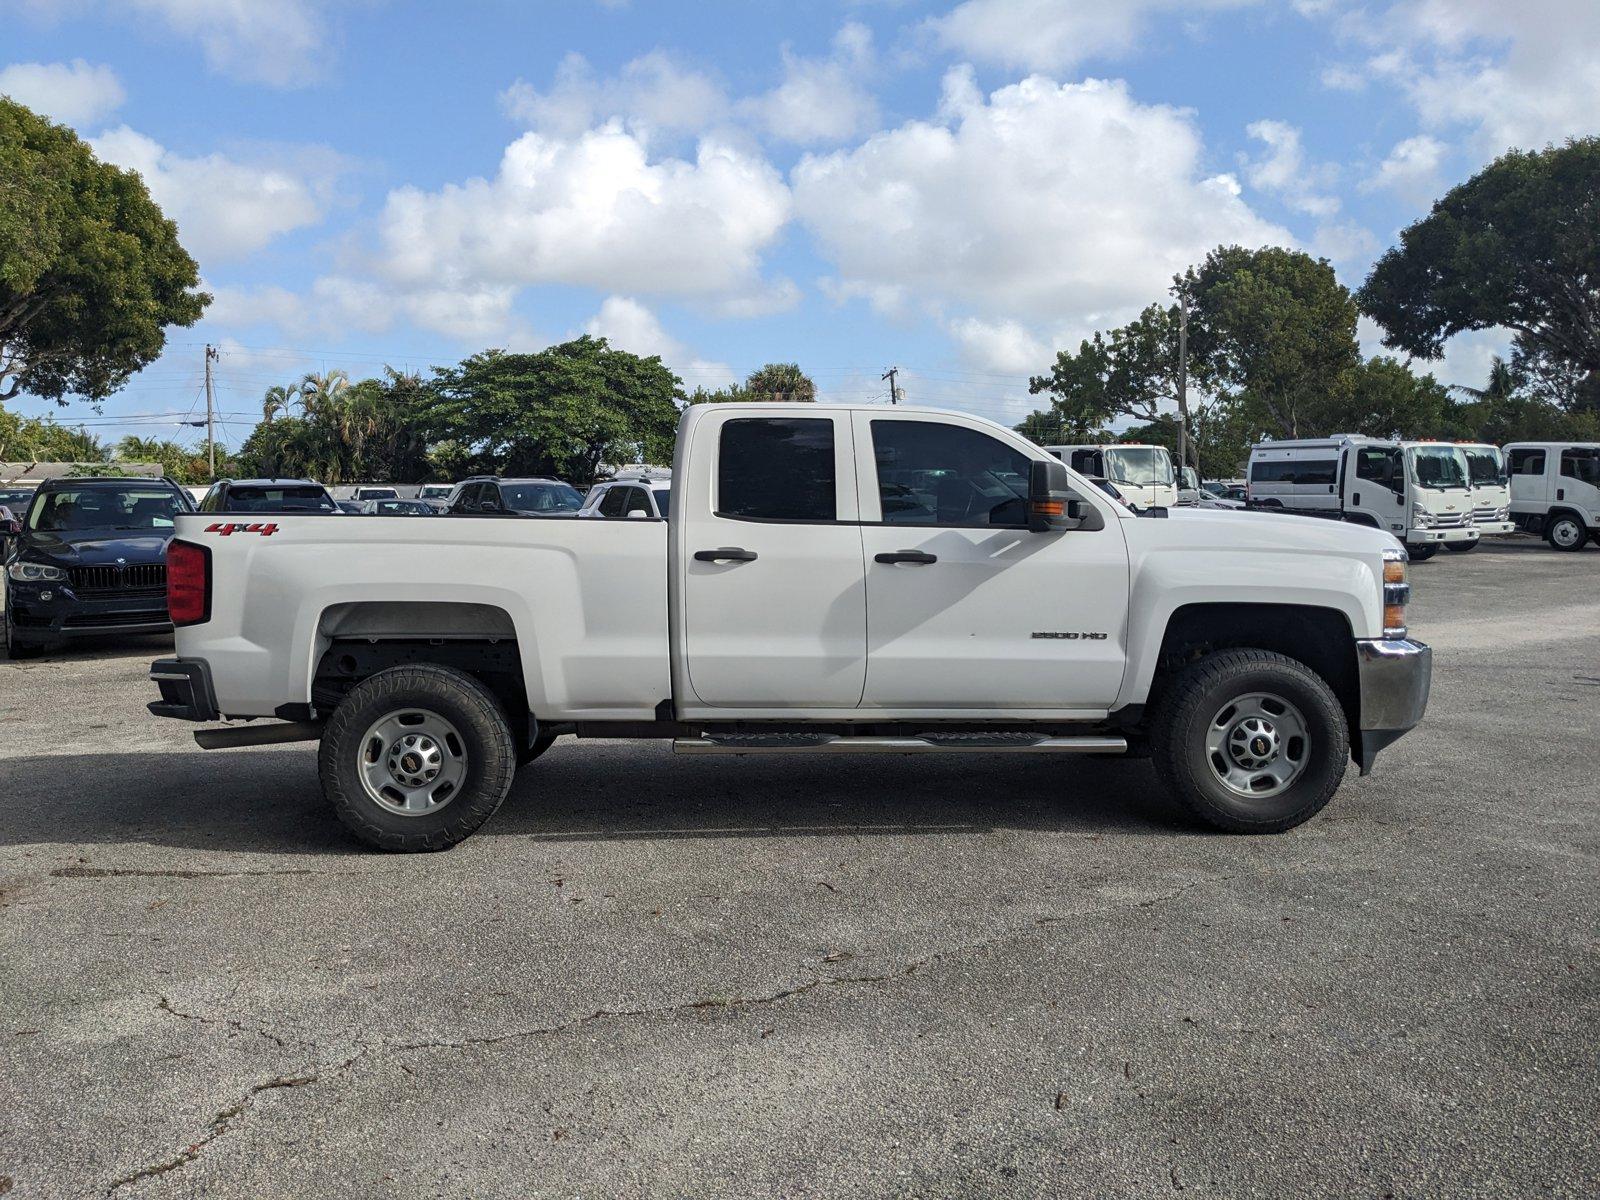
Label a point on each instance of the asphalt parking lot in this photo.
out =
(785, 977)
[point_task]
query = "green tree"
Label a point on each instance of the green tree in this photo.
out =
(1516, 246)
(185, 464)
(564, 410)
(321, 391)
(91, 273)
(1274, 330)
(779, 382)
(377, 429)
(30, 439)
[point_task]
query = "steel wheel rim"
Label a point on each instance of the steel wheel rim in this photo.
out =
(1566, 533)
(1257, 745)
(412, 762)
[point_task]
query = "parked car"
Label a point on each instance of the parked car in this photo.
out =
(1193, 494)
(436, 494)
(629, 498)
(89, 558)
(350, 507)
(797, 600)
(397, 508)
(1555, 491)
(267, 496)
(10, 526)
(539, 496)
(364, 492)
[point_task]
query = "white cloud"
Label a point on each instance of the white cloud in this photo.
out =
(278, 42)
(628, 325)
(1004, 345)
(1284, 171)
(821, 99)
(650, 93)
(76, 93)
(1055, 205)
(1411, 169)
(1044, 35)
(1511, 76)
(225, 208)
(594, 211)
(1345, 243)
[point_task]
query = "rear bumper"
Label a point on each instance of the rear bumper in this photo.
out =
(1395, 675)
(186, 691)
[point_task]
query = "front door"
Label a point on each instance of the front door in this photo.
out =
(1374, 486)
(967, 609)
(774, 601)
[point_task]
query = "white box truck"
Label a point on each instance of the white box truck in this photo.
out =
(1142, 475)
(1491, 489)
(1417, 491)
(1555, 490)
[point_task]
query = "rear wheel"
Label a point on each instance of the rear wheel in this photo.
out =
(1460, 547)
(1566, 532)
(1250, 741)
(1423, 553)
(416, 758)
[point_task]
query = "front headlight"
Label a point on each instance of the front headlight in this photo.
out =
(1396, 592)
(30, 572)
(1421, 517)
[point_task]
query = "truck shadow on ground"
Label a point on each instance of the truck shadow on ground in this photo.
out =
(267, 801)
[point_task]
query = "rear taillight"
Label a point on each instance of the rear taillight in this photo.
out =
(188, 583)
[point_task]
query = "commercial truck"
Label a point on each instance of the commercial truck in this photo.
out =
(1417, 491)
(1142, 475)
(828, 580)
(1555, 491)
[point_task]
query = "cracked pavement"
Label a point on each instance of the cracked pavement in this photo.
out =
(850, 977)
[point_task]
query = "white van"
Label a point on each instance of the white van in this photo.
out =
(1142, 475)
(1555, 490)
(1491, 489)
(1417, 491)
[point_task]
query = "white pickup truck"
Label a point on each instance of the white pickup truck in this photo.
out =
(829, 580)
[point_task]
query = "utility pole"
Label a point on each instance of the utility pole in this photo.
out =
(211, 438)
(894, 392)
(1183, 379)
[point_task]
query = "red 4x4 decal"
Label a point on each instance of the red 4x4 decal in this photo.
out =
(226, 529)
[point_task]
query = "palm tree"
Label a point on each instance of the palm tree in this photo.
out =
(1502, 383)
(321, 391)
(277, 400)
(780, 381)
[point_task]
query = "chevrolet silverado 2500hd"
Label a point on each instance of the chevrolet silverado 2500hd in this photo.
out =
(829, 580)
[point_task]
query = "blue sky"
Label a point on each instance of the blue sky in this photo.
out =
(956, 188)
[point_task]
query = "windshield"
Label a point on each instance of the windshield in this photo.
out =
(541, 497)
(434, 491)
(1438, 467)
(76, 509)
(1141, 466)
(279, 499)
(1485, 464)
(663, 499)
(400, 506)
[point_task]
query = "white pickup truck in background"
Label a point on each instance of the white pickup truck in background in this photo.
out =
(829, 580)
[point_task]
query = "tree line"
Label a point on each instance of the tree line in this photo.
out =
(1273, 349)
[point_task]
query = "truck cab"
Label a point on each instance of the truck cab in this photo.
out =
(1416, 491)
(1491, 488)
(1142, 474)
(1555, 491)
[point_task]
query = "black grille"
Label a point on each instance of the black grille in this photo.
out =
(142, 577)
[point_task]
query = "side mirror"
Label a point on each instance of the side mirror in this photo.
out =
(1052, 508)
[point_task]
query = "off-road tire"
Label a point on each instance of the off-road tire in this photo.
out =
(490, 753)
(1577, 538)
(1460, 547)
(537, 747)
(1189, 702)
(1423, 553)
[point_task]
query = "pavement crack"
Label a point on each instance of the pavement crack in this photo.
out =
(165, 1005)
(227, 1119)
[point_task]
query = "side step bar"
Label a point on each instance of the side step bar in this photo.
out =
(968, 743)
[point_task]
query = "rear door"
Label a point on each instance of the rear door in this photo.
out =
(773, 599)
(967, 609)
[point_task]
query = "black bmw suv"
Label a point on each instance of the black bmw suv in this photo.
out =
(91, 558)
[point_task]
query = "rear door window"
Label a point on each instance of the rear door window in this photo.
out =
(777, 469)
(1583, 464)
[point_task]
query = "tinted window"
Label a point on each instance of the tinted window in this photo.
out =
(541, 497)
(105, 508)
(1582, 465)
(1376, 465)
(278, 499)
(777, 469)
(1316, 471)
(935, 474)
(663, 500)
(1527, 462)
(611, 503)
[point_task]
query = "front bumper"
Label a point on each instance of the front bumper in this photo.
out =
(49, 612)
(1394, 675)
(1418, 536)
(1496, 528)
(186, 691)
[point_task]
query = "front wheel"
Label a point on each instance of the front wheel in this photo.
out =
(1250, 741)
(1423, 553)
(417, 758)
(1460, 547)
(1566, 532)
